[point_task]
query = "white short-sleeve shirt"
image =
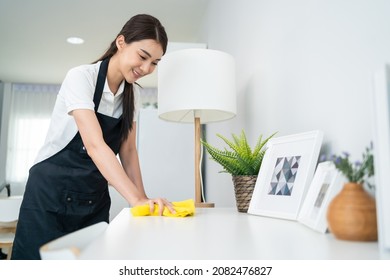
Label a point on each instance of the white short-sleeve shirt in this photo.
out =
(77, 92)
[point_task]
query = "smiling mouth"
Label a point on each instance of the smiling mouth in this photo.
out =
(136, 74)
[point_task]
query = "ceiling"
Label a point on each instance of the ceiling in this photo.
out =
(33, 47)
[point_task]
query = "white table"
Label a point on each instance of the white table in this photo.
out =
(220, 234)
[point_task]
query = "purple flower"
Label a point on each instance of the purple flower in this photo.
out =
(356, 171)
(345, 154)
(337, 160)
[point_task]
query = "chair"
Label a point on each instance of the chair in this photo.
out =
(70, 246)
(9, 213)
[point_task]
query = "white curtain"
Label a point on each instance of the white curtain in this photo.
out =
(30, 111)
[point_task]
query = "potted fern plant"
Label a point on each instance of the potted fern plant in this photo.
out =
(242, 162)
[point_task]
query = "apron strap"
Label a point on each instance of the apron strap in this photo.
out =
(100, 83)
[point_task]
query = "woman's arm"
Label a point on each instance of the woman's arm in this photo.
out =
(108, 164)
(104, 157)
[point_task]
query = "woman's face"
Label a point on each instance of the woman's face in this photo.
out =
(139, 58)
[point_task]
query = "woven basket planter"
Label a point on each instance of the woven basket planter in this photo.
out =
(243, 189)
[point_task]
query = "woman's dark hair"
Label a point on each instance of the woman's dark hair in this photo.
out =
(137, 28)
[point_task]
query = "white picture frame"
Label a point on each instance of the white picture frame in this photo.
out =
(286, 171)
(326, 184)
(381, 142)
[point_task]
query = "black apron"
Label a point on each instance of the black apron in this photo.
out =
(66, 192)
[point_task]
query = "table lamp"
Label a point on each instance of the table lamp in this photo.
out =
(197, 86)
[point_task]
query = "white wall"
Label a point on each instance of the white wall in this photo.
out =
(301, 65)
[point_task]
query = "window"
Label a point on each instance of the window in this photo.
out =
(30, 111)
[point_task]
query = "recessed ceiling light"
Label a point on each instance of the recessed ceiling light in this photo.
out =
(75, 40)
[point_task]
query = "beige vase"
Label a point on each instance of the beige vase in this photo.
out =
(243, 190)
(352, 214)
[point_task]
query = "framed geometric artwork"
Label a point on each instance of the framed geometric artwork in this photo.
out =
(285, 174)
(326, 183)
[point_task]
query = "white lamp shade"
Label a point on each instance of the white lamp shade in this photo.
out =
(196, 83)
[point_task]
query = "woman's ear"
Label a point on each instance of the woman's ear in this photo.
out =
(120, 42)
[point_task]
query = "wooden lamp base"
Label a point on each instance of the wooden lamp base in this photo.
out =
(204, 205)
(198, 188)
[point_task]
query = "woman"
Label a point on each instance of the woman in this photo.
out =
(93, 120)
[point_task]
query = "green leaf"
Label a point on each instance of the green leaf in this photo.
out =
(238, 158)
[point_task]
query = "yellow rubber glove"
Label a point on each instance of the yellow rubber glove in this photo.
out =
(183, 209)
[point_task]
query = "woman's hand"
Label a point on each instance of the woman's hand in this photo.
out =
(161, 202)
